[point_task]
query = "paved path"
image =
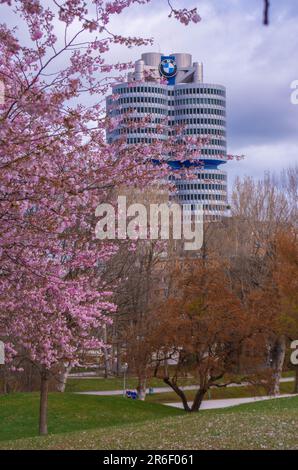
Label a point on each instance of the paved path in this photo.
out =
(215, 404)
(120, 392)
(165, 389)
(85, 375)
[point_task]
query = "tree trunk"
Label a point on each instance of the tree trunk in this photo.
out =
(43, 405)
(277, 357)
(141, 388)
(198, 400)
(62, 379)
(5, 388)
(296, 380)
(117, 360)
(166, 367)
(107, 367)
(114, 350)
(179, 392)
(29, 378)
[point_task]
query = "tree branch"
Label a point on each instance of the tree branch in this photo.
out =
(266, 12)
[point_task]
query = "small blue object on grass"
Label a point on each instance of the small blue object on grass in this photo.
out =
(131, 394)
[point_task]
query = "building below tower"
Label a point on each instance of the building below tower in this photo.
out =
(172, 88)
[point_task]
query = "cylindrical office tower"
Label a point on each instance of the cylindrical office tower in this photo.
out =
(184, 99)
(201, 108)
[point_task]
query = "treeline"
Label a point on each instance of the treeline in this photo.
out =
(226, 313)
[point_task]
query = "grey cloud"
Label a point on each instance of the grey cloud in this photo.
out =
(256, 64)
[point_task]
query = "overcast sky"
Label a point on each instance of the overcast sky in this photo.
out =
(257, 64)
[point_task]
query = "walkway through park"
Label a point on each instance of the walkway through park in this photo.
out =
(225, 403)
(206, 404)
(120, 392)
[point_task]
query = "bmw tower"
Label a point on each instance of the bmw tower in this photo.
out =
(183, 99)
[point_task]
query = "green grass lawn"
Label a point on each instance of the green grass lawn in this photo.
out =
(116, 383)
(271, 424)
(288, 373)
(70, 412)
(83, 385)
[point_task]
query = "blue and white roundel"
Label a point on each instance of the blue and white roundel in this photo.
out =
(168, 67)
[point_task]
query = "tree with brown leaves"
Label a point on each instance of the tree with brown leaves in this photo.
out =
(204, 329)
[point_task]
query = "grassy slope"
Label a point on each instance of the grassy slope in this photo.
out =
(78, 385)
(116, 383)
(264, 425)
(69, 412)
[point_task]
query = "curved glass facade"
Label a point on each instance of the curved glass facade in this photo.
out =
(200, 108)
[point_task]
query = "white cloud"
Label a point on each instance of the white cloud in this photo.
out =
(261, 158)
(255, 63)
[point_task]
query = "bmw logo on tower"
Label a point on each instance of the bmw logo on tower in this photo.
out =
(168, 68)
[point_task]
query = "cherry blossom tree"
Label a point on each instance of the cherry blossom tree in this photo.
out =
(56, 167)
